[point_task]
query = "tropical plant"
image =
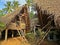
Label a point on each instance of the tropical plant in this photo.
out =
(1, 13)
(15, 4)
(8, 7)
(31, 14)
(29, 2)
(2, 26)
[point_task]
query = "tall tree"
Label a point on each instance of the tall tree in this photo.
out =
(1, 13)
(29, 2)
(15, 4)
(8, 7)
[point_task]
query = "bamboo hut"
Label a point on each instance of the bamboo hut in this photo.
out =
(7, 20)
(15, 20)
(52, 11)
(52, 6)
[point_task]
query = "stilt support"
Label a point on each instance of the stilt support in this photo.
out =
(6, 34)
(12, 33)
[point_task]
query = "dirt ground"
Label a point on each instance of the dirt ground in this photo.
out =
(21, 41)
(48, 43)
(15, 41)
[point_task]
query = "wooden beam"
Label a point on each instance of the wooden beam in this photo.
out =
(49, 23)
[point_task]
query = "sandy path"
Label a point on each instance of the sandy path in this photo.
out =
(15, 41)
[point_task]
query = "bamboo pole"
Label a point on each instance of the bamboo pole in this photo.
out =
(34, 30)
(39, 43)
(24, 32)
(12, 33)
(48, 30)
(47, 24)
(0, 37)
(19, 33)
(19, 27)
(6, 34)
(0, 34)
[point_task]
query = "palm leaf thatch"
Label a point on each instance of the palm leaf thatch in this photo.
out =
(6, 19)
(52, 6)
(14, 26)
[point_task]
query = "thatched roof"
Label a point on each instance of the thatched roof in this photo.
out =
(34, 22)
(52, 6)
(14, 26)
(11, 16)
(17, 25)
(8, 17)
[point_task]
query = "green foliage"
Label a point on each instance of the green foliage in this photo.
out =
(29, 2)
(2, 25)
(1, 13)
(42, 33)
(31, 14)
(8, 7)
(30, 35)
(15, 4)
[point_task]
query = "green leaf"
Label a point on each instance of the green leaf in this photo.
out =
(29, 2)
(1, 13)
(2, 25)
(31, 14)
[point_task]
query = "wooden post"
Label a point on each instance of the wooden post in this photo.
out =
(0, 34)
(12, 33)
(34, 30)
(6, 33)
(0, 37)
(24, 32)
